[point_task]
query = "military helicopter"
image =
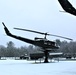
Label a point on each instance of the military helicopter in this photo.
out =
(43, 43)
(67, 6)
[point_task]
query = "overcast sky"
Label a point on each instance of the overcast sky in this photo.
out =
(39, 15)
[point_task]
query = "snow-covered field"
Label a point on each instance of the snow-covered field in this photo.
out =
(23, 67)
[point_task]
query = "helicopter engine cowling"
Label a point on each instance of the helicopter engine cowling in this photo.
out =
(36, 38)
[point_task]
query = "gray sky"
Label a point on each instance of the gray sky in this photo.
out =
(40, 15)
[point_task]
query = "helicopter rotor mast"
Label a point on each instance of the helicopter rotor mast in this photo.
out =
(43, 33)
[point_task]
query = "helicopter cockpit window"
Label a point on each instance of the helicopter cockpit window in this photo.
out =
(45, 43)
(49, 43)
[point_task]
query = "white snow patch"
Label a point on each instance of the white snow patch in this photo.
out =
(23, 67)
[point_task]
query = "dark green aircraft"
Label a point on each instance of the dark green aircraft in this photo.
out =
(43, 43)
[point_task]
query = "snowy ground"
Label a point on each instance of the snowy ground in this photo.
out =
(23, 67)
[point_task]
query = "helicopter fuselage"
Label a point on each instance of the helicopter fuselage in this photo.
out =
(46, 44)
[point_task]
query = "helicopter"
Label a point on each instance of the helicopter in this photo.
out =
(67, 6)
(45, 44)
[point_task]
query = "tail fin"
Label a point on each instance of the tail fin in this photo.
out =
(3, 24)
(6, 29)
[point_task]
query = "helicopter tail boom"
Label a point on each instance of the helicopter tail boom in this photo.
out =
(17, 37)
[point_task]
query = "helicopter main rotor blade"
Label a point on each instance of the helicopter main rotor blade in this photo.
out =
(32, 31)
(42, 33)
(61, 37)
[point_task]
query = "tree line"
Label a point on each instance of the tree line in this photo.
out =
(11, 51)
